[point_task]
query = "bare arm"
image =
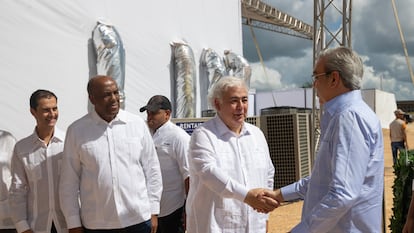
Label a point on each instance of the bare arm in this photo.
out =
(154, 223)
(409, 224)
(187, 185)
(76, 230)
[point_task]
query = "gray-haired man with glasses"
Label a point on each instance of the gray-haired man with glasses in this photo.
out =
(344, 192)
(317, 76)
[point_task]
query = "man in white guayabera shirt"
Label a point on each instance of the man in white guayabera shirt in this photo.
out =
(111, 165)
(229, 158)
(7, 142)
(35, 168)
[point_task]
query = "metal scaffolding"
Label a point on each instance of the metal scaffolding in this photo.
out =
(261, 15)
(325, 33)
(328, 33)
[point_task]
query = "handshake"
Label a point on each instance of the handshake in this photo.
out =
(264, 200)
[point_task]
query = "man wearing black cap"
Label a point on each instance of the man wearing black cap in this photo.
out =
(171, 143)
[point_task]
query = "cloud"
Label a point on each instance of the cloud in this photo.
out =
(284, 72)
(264, 81)
(375, 37)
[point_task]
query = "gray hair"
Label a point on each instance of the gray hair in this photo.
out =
(221, 87)
(347, 63)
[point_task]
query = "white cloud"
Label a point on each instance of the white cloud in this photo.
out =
(264, 81)
(375, 37)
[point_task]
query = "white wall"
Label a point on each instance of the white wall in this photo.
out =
(44, 44)
(381, 102)
(300, 98)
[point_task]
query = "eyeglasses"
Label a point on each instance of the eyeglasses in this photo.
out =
(316, 76)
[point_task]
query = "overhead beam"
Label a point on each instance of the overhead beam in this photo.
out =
(261, 15)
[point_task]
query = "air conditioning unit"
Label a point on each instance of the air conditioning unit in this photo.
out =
(288, 137)
(254, 120)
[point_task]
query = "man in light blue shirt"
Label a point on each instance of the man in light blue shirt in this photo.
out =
(344, 191)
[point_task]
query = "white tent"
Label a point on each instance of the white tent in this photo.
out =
(381, 102)
(44, 45)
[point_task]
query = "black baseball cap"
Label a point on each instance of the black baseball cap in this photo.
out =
(156, 103)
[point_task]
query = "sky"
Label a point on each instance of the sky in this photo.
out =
(375, 37)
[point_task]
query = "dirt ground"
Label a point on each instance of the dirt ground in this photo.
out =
(288, 215)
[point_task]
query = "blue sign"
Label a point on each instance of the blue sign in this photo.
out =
(189, 126)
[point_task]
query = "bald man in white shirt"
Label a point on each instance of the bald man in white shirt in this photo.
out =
(111, 177)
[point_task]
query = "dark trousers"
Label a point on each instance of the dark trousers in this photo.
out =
(8, 231)
(172, 223)
(53, 229)
(395, 147)
(144, 227)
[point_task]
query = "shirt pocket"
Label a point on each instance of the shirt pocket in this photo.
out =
(163, 151)
(226, 160)
(34, 171)
(230, 216)
(258, 158)
(92, 155)
(130, 149)
(33, 165)
(325, 148)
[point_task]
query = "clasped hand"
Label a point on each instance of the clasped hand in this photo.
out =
(262, 200)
